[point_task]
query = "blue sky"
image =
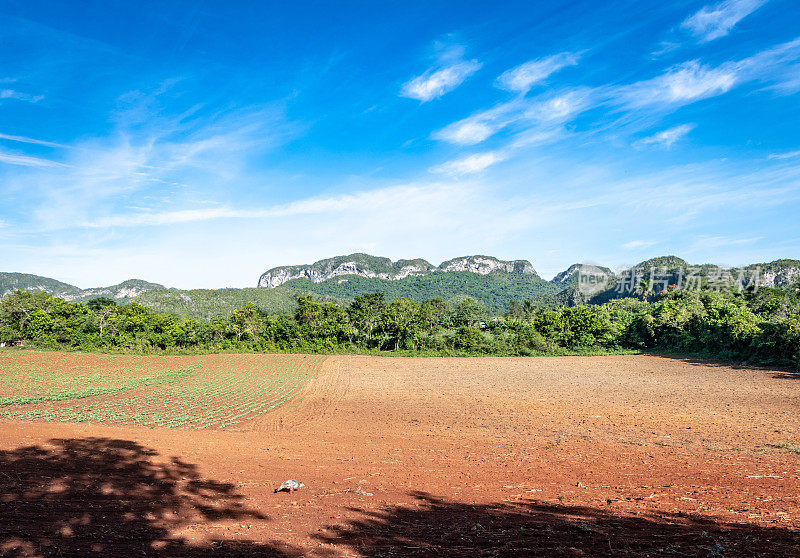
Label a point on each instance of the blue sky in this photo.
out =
(197, 143)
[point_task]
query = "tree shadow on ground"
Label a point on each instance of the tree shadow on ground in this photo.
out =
(105, 497)
(442, 528)
(780, 371)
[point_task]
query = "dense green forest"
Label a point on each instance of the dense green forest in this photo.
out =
(205, 304)
(757, 326)
(496, 290)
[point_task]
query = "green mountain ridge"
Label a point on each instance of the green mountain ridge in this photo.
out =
(10, 282)
(496, 284)
(131, 288)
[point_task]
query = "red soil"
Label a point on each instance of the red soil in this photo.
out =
(618, 456)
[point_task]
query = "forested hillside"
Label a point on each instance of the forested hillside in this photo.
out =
(208, 303)
(10, 282)
(496, 290)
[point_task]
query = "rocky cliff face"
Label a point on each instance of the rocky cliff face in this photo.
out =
(484, 265)
(365, 265)
(571, 274)
(777, 274)
(127, 289)
(354, 264)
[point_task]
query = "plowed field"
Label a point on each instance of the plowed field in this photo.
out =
(575, 456)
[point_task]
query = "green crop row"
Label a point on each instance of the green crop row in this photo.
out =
(194, 397)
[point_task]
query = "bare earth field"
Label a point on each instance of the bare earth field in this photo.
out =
(574, 456)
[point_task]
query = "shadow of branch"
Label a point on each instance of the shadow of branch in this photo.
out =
(444, 528)
(106, 497)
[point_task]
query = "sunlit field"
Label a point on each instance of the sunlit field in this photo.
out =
(194, 392)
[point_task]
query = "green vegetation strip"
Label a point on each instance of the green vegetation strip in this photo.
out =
(148, 381)
(243, 389)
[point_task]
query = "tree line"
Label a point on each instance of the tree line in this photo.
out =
(760, 326)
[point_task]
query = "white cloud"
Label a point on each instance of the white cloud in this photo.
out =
(468, 131)
(686, 83)
(713, 22)
(637, 244)
(789, 82)
(693, 81)
(543, 118)
(775, 66)
(787, 155)
(666, 138)
(771, 64)
(521, 78)
(520, 209)
(310, 206)
(560, 107)
(22, 139)
(470, 164)
(708, 242)
(536, 119)
(436, 82)
(481, 125)
(664, 47)
(18, 96)
(149, 160)
(27, 161)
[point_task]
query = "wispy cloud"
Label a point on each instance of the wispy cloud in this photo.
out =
(450, 71)
(776, 66)
(470, 164)
(693, 81)
(771, 64)
(22, 139)
(682, 84)
(708, 242)
(27, 161)
(517, 208)
(560, 106)
(148, 159)
(318, 205)
(539, 116)
(637, 244)
(789, 82)
(156, 218)
(19, 96)
(469, 131)
(679, 85)
(715, 21)
(692, 190)
(521, 78)
(620, 109)
(481, 125)
(664, 47)
(787, 155)
(666, 138)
